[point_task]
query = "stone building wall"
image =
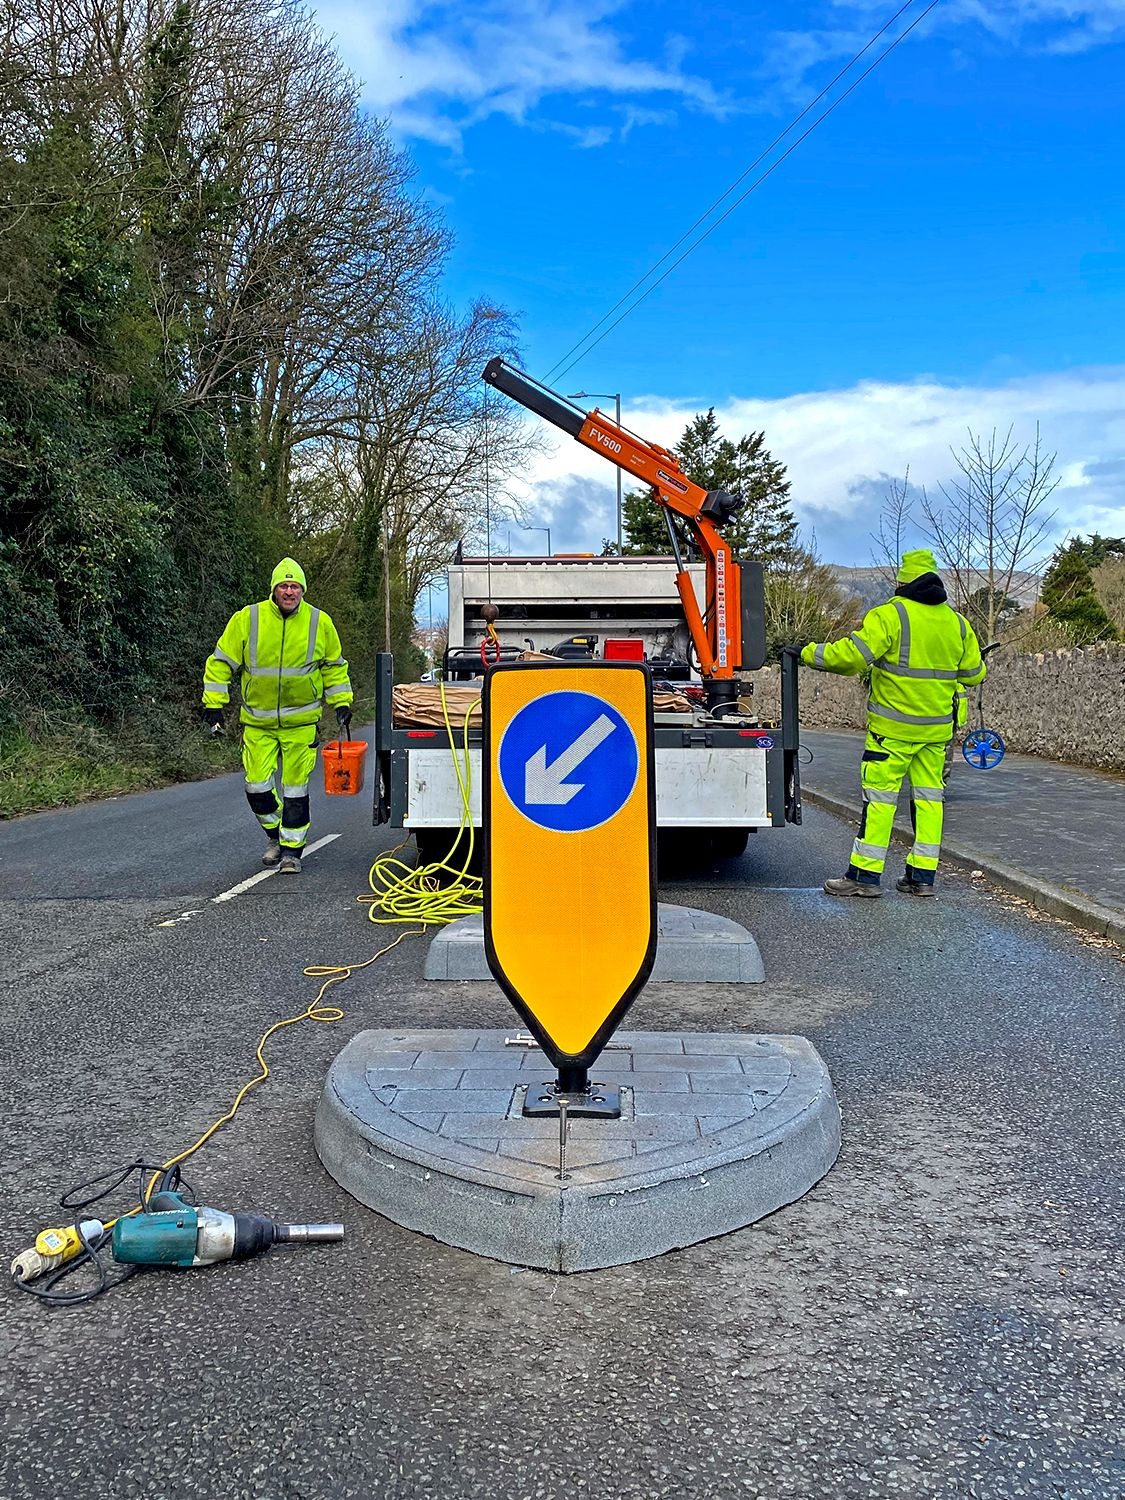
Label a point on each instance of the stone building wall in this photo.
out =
(1064, 705)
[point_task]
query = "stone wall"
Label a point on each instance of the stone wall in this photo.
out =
(1064, 705)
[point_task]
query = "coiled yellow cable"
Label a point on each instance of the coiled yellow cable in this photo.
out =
(426, 893)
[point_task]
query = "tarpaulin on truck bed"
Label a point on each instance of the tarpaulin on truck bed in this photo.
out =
(417, 705)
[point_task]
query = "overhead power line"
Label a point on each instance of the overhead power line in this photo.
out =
(587, 342)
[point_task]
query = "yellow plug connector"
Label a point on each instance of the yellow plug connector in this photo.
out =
(53, 1247)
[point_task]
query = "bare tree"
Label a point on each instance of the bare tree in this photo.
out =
(804, 602)
(268, 221)
(889, 542)
(432, 444)
(993, 523)
(425, 449)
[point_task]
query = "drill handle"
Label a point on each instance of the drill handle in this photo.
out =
(165, 1203)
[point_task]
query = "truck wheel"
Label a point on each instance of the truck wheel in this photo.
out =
(729, 843)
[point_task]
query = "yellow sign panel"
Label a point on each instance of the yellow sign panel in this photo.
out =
(569, 891)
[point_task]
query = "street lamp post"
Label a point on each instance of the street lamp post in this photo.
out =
(605, 396)
(547, 529)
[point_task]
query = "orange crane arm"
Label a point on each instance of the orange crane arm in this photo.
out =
(718, 639)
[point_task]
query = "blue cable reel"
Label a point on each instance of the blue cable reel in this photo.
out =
(983, 748)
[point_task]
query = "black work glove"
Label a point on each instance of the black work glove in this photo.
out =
(344, 719)
(214, 717)
(792, 650)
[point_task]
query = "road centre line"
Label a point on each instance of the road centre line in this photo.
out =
(244, 885)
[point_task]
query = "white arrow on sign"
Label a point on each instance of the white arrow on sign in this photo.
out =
(543, 783)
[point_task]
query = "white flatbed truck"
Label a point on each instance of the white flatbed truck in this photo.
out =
(721, 771)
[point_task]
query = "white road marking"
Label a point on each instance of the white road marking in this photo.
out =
(244, 885)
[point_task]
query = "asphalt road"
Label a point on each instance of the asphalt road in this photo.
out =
(940, 1317)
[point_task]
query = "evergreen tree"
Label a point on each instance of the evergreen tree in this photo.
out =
(1095, 549)
(764, 529)
(1068, 594)
(646, 532)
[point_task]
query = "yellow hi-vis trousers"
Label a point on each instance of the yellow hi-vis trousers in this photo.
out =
(285, 816)
(885, 764)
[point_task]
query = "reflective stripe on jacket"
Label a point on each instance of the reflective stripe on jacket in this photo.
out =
(288, 663)
(919, 656)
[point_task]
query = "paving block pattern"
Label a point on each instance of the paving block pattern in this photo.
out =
(716, 1130)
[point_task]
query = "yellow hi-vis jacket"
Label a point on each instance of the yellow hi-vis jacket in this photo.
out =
(919, 656)
(288, 663)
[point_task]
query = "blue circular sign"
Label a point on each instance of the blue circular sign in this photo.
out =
(569, 761)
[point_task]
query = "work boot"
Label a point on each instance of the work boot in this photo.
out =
(290, 864)
(910, 887)
(846, 886)
(272, 856)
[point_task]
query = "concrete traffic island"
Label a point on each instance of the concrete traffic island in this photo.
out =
(716, 1131)
(691, 946)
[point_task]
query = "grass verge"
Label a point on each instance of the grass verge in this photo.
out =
(75, 761)
(69, 760)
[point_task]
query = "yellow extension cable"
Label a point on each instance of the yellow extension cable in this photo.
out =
(406, 893)
(315, 1011)
(415, 895)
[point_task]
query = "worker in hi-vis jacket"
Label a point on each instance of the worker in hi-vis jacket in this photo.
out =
(919, 652)
(289, 658)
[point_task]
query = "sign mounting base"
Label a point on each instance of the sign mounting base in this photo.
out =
(573, 1093)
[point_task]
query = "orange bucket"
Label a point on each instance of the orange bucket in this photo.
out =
(343, 767)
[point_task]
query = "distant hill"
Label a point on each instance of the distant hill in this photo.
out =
(873, 585)
(869, 585)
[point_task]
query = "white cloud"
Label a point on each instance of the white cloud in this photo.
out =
(1046, 23)
(1035, 26)
(841, 449)
(436, 68)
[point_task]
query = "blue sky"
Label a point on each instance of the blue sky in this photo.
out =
(945, 252)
